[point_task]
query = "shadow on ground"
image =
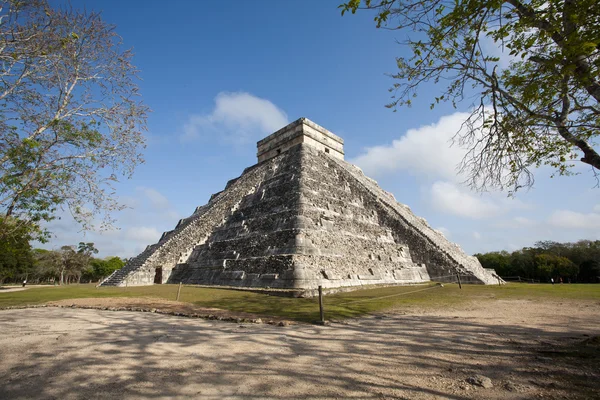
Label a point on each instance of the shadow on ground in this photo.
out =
(68, 354)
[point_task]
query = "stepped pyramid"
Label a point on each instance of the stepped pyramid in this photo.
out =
(301, 217)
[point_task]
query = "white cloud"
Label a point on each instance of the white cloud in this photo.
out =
(476, 235)
(515, 222)
(496, 49)
(143, 234)
(238, 117)
(567, 219)
(522, 221)
(155, 204)
(147, 206)
(126, 242)
(129, 201)
(157, 199)
(597, 209)
(425, 151)
(449, 198)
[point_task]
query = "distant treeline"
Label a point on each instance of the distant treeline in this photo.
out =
(574, 262)
(69, 264)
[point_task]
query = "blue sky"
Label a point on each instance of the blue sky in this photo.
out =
(221, 75)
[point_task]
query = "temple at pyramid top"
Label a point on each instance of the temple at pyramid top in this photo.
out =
(304, 131)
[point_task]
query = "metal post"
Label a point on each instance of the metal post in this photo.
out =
(459, 283)
(178, 291)
(321, 305)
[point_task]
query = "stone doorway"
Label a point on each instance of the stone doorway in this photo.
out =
(158, 275)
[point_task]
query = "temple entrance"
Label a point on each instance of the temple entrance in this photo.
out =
(158, 275)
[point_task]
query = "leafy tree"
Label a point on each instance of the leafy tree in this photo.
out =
(579, 261)
(550, 266)
(48, 265)
(86, 250)
(549, 246)
(589, 271)
(113, 264)
(565, 268)
(16, 258)
(523, 263)
(73, 263)
(71, 120)
(497, 260)
(544, 264)
(532, 66)
(103, 268)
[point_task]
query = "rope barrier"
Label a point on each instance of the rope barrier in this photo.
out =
(447, 276)
(405, 293)
(391, 295)
(520, 279)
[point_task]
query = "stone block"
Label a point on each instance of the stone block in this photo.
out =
(233, 275)
(331, 275)
(369, 277)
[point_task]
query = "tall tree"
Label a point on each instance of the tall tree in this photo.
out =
(71, 119)
(85, 252)
(533, 67)
(87, 249)
(73, 264)
(48, 264)
(16, 258)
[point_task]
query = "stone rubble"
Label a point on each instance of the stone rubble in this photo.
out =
(480, 380)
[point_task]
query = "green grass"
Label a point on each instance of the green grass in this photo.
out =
(337, 306)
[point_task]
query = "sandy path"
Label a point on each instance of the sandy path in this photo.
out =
(59, 353)
(8, 289)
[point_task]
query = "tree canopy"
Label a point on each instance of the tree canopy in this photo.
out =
(71, 119)
(532, 66)
(68, 264)
(16, 257)
(579, 261)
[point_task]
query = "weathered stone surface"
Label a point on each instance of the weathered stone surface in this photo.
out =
(301, 219)
(300, 131)
(480, 380)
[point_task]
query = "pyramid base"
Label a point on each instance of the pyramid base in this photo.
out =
(295, 273)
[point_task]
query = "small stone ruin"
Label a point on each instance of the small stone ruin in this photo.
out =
(300, 218)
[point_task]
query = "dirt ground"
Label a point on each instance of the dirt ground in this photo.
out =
(163, 306)
(528, 350)
(8, 289)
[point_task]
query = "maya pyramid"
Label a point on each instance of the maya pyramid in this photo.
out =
(300, 218)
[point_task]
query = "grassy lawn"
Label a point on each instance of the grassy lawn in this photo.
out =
(337, 306)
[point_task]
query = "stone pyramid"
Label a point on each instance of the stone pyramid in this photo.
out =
(301, 217)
